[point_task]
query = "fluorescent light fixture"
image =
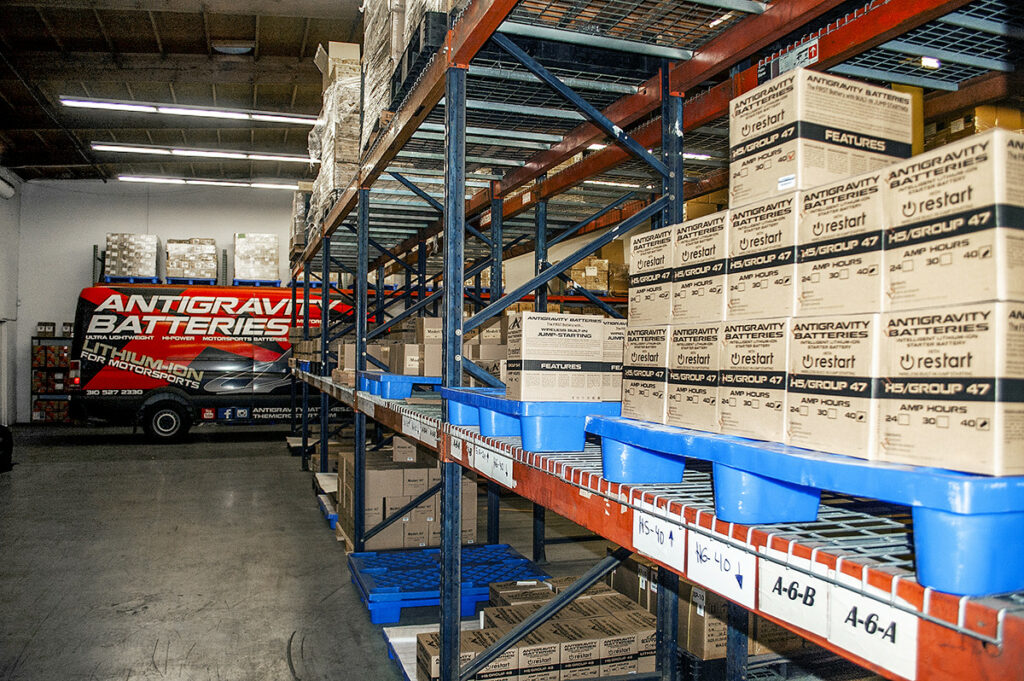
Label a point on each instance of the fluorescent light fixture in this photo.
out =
(930, 63)
(697, 157)
(719, 20)
(604, 183)
(273, 185)
(185, 110)
(596, 146)
(129, 149)
(199, 153)
(150, 179)
(107, 105)
(282, 118)
(218, 183)
(202, 113)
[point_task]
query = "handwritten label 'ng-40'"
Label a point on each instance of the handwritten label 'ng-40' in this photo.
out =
(726, 569)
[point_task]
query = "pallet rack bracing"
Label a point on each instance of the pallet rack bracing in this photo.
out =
(869, 570)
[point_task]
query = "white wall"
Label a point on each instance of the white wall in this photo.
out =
(61, 221)
(10, 211)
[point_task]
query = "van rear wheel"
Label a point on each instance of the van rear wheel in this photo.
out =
(166, 422)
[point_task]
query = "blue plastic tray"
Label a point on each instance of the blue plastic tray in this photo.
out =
(389, 581)
(543, 426)
(115, 279)
(965, 526)
(256, 282)
(393, 386)
(463, 414)
(191, 281)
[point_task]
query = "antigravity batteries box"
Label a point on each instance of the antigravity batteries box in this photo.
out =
(752, 379)
(612, 349)
(805, 128)
(952, 392)
(693, 377)
(955, 218)
(554, 357)
(839, 247)
(698, 278)
(650, 277)
(645, 373)
(833, 367)
(762, 262)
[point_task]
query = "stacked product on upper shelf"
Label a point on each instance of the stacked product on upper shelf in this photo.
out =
(871, 316)
(194, 258)
(131, 255)
(334, 139)
(256, 257)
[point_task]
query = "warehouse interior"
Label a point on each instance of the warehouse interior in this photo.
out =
(511, 339)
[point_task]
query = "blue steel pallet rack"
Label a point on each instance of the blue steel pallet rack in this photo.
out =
(716, 41)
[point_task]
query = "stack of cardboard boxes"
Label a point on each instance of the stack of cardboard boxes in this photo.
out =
(393, 479)
(334, 140)
(416, 347)
(601, 634)
(872, 316)
(194, 258)
(131, 255)
(256, 257)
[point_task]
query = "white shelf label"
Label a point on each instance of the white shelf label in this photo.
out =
(660, 539)
(875, 631)
(411, 426)
(456, 448)
(501, 470)
(722, 568)
(794, 596)
(428, 435)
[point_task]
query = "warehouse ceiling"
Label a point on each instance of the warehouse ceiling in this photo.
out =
(165, 51)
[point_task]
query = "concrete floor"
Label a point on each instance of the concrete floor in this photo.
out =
(209, 560)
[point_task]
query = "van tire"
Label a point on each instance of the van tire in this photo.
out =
(166, 422)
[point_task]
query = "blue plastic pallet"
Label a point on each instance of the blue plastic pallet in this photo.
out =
(390, 581)
(330, 516)
(256, 282)
(966, 527)
(112, 279)
(393, 386)
(543, 426)
(304, 365)
(192, 281)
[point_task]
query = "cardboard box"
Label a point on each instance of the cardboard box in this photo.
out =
(805, 128)
(645, 374)
(192, 258)
(833, 368)
(428, 654)
(414, 482)
(943, 398)
(590, 273)
(700, 256)
(950, 220)
(752, 380)
(505, 666)
(414, 535)
(762, 259)
(540, 655)
(650, 277)
(580, 651)
(500, 591)
(559, 584)
(966, 123)
(618, 643)
(405, 359)
(554, 357)
(646, 627)
(46, 329)
(131, 255)
(693, 368)
(428, 330)
(613, 347)
(404, 450)
(839, 247)
(486, 351)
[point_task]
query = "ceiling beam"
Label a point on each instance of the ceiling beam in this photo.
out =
(174, 68)
(313, 9)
